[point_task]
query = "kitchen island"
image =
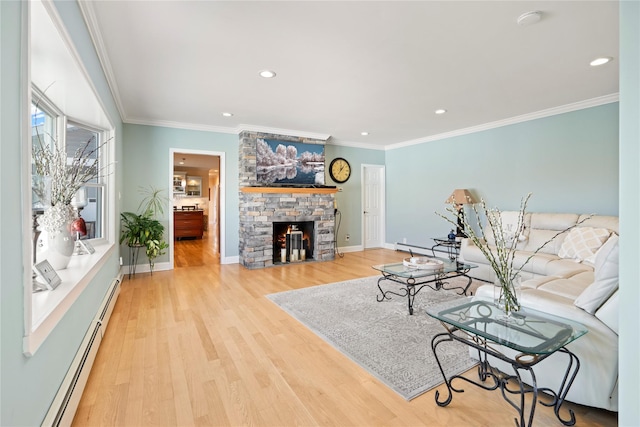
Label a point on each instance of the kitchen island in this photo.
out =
(188, 223)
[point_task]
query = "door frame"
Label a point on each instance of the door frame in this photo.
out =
(222, 204)
(382, 230)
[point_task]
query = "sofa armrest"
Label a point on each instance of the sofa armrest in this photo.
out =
(608, 312)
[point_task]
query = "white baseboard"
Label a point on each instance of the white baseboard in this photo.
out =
(406, 248)
(230, 260)
(356, 248)
(144, 268)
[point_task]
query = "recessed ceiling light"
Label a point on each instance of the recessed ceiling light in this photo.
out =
(440, 111)
(364, 133)
(227, 114)
(267, 74)
(529, 18)
(600, 61)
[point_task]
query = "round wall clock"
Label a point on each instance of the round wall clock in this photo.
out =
(339, 170)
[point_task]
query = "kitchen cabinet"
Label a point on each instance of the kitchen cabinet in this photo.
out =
(188, 223)
(194, 186)
(179, 182)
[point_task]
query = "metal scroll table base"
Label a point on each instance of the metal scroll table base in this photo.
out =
(497, 379)
(411, 286)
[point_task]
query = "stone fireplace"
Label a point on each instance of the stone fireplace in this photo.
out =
(263, 209)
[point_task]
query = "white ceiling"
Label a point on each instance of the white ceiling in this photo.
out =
(198, 161)
(344, 67)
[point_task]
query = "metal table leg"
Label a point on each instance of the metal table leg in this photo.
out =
(501, 381)
(134, 251)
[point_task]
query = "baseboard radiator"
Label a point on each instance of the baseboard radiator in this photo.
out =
(66, 402)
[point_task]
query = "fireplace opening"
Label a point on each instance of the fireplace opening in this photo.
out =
(292, 241)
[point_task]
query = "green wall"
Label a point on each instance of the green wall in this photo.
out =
(146, 158)
(568, 161)
(146, 162)
(28, 385)
(350, 199)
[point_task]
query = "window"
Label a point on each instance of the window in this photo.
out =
(78, 137)
(44, 125)
(70, 111)
(43, 133)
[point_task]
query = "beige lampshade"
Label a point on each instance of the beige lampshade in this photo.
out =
(461, 197)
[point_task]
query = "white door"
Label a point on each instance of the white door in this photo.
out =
(373, 206)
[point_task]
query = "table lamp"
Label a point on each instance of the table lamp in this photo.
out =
(459, 198)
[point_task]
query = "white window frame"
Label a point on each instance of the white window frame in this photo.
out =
(43, 310)
(102, 179)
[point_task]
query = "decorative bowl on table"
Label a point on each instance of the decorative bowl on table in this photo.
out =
(423, 263)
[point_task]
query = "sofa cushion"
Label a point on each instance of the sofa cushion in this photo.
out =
(544, 226)
(566, 268)
(600, 221)
(605, 277)
(583, 242)
(509, 221)
(569, 288)
(538, 237)
(534, 263)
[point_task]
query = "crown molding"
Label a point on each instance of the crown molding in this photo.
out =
(89, 15)
(352, 144)
(581, 105)
(221, 129)
(181, 125)
(278, 131)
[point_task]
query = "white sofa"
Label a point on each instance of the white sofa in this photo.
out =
(569, 281)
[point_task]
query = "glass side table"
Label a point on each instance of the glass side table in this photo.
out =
(479, 323)
(452, 247)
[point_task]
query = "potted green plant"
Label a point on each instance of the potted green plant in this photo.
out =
(143, 229)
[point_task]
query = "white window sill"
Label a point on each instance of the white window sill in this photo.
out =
(48, 307)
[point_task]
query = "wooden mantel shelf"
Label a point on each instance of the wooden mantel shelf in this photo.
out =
(288, 190)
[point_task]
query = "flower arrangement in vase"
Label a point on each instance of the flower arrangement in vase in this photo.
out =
(57, 178)
(500, 254)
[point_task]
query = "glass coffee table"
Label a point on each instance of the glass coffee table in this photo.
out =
(412, 280)
(533, 335)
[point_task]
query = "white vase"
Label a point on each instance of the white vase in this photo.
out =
(56, 246)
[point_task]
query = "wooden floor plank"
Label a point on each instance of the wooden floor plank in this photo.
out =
(202, 345)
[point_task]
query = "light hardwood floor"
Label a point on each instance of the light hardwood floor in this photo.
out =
(201, 345)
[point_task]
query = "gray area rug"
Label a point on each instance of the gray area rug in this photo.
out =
(380, 336)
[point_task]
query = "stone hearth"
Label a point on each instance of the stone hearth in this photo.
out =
(258, 212)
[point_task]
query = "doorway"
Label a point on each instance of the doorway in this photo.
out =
(197, 184)
(373, 233)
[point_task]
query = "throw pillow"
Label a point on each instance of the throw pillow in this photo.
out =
(509, 221)
(583, 242)
(605, 277)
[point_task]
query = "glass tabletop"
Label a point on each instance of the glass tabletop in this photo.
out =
(528, 331)
(446, 241)
(399, 269)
